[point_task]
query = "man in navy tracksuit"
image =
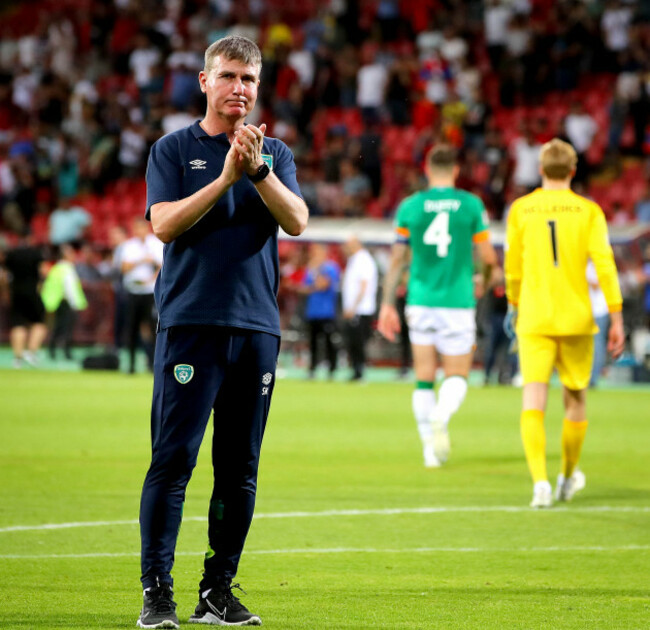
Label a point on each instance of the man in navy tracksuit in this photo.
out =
(216, 193)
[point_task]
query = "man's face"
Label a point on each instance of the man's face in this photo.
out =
(230, 87)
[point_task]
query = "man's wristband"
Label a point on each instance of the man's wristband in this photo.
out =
(261, 173)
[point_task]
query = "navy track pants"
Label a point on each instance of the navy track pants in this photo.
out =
(198, 369)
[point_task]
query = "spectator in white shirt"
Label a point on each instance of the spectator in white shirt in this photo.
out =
(303, 62)
(580, 129)
(453, 48)
(133, 145)
(518, 36)
(143, 59)
(615, 23)
(525, 152)
(429, 41)
(496, 17)
(371, 87)
(183, 65)
(141, 259)
(175, 119)
(359, 294)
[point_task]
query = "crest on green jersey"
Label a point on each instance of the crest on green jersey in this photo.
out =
(183, 373)
(268, 159)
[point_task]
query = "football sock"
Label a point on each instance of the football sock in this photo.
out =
(424, 401)
(533, 436)
(450, 397)
(573, 435)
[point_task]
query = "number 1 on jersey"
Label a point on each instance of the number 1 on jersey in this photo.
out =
(552, 226)
(438, 234)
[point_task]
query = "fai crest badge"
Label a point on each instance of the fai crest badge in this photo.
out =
(183, 373)
(268, 160)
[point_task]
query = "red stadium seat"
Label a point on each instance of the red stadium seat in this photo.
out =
(91, 204)
(40, 227)
(399, 143)
(375, 209)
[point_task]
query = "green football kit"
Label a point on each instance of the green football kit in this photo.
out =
(440, 225)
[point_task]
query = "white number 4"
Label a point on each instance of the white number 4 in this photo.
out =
(438, 234)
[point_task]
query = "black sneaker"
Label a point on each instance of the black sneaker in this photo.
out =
(158, 608)
(219, 607)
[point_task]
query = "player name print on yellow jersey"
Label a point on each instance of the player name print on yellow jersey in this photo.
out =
(553, 209)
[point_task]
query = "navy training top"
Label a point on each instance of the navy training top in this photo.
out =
(224, 270)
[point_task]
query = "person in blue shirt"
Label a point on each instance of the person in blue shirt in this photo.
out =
(216, 193)
(321, 285)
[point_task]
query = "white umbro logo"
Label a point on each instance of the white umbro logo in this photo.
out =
(266, 379)
(198, 164)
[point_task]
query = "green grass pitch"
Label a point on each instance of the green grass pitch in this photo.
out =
(351, 531)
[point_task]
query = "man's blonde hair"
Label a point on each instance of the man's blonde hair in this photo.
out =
(558, 159)
(234, 48)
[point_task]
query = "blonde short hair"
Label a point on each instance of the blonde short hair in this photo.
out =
(558, 159)
(234, 48)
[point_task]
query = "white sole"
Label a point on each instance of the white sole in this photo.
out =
(212, 620)
(163, 624)
(541, 503)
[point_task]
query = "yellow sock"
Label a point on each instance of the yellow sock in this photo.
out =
(533, 435)
(573, 435)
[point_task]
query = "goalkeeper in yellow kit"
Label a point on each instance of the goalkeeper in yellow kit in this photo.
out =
(551, 234)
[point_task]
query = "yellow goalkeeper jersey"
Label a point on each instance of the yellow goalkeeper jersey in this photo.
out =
(551, 234)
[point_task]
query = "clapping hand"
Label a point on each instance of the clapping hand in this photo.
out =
(245, 154)
(248, 142)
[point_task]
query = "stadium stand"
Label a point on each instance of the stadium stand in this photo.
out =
(87, 86)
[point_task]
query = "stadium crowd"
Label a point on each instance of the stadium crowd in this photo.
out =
(359, 90)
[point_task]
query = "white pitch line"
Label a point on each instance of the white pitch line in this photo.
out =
(377, 512)
(343, 550)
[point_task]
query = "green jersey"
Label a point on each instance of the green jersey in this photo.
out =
(440, 225)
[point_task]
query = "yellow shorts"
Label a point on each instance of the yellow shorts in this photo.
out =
(572, 355)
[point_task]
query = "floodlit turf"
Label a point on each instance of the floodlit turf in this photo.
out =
(338, 542)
